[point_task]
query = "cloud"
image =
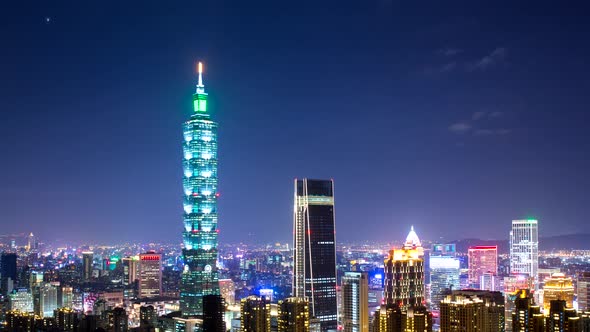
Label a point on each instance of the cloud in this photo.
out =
(449, 51)
(478, 115)
(447, 67)
(497, 56)
(460, 127)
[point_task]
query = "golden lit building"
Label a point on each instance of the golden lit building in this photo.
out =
(404, 274)
(472, 310)
(392, 318)
(293, 315)
(558, 287)
(255, 314)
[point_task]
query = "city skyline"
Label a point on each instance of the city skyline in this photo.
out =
(464, 129)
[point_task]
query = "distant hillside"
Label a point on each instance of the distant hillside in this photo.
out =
(569, 242)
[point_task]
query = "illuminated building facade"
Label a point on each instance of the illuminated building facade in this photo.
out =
(404, 274)
(472, 310)
(524, 248)
(513, 284)
(526, 316)
(355, 302)
(150, 275)
(21, 300)
(314, 243)
(444, 275)
(293, 315)
(558, 287)
(561, 318)
(583, 291)
(47, 300)
(200, 276)
(481, 260)
(255, 314)
(227, 288)
(87, 259)
(130, 270)
(392, 318)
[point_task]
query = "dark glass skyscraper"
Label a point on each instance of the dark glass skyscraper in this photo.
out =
(314, 271)
(200, 276)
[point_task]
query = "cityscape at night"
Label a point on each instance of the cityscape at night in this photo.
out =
(375, 166)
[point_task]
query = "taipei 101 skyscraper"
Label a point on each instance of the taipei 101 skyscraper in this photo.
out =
(200, 275)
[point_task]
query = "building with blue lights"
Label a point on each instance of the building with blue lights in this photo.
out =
(200, 276)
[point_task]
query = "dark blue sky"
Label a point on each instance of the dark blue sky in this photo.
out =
(455, 117)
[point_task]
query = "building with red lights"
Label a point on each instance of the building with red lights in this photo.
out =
(482, 260)
(150, 274)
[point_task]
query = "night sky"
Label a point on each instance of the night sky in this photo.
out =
(454, 117)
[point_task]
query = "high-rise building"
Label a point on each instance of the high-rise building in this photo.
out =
(560, 318)
(524, 248)
(67, 319)
(31, 242)
(255, 314)
(7, 272)
(583, 291)
(314, 269)
(21, 299)
(227, 288)
(558, 287)
(117, 320)
(87, 259)
(489, 282)
(527, 316)
(472, 310)
(67, 297)
(47, 300)
(213, 313)
(513, 284)
(444, 275)
(148, 317)
(393, 318)
(355, 302)
(404, 274)
(293, 315)
(481, 260)
(150, 274)
(200, 276)
(21, 321)
(130, 270)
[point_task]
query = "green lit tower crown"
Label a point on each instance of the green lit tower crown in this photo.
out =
(200, 275)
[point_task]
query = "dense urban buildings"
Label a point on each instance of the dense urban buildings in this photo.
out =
(200, 276)
(472, 310)
(444, 276)
(255, 314)
(482, 260)
(314, 244)
(355, 302)
(524, 248)
(293, 315)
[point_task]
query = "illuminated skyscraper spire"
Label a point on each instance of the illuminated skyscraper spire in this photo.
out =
(200, 275)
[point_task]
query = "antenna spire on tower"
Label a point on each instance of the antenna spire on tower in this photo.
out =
(200, 75)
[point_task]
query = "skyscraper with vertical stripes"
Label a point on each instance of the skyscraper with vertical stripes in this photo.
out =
(200, 275)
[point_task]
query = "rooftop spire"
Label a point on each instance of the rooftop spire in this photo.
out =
(200, 86)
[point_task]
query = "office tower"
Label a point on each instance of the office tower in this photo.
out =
(117, 320)
(200, 275)
(482, 259)
(255, 314)
(293, 315)
(444, 249)
(67, 297)
(472, 310)
(87, 259)
(67, 319)
(130, 270)
(583, 291)
(404, 274)
(227, 288)
(21, 299)
(355, 302)
(31, 242)
(21, 321)
(213, 313)
(47, 300)
(148, 317)
(150, 274)
(558, 287)
(314, 270)
(488, 281)
(526, 316)
(393, 318)
(7, 272)
(524, 248)
(444, 275)
(560, 318)
(513, 284)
